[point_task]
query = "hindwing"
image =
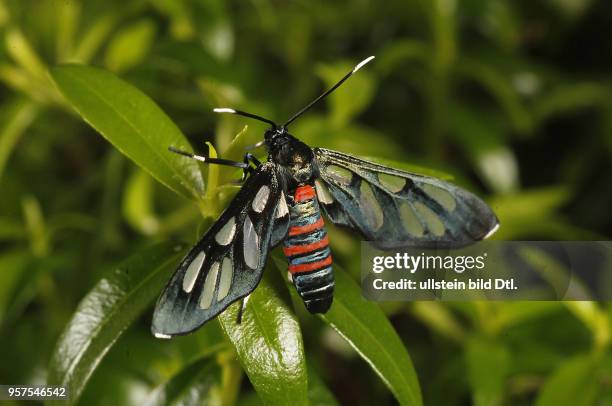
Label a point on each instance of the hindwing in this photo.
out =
(393, 208)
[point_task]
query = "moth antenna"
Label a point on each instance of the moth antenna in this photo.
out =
(208, 160)
(334, 87)
(245, 114)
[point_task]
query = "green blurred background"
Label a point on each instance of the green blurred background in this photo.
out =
(511, 98)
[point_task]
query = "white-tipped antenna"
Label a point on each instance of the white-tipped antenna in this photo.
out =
(334, 87)
(363, 63)
(245, 114)
(208, 160)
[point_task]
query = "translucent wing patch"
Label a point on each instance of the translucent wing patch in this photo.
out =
(227, 263)
(394, 208)
(281, 222)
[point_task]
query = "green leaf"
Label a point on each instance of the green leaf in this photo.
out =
(13, 264)
(566, 98)
(575, 383)
(487, 364)
(15, 119)
(398, 52)
(482, 138)
(93, 38)
(137, 205)
(365, 327)
(572, 10)
(269, 346)
(354, 139)
(595, 318)
(439, 318)
(235, 150)
(133, 123)
(237, 147)
(106, 312)
(318, 393)
(67, 17)
(35, 224)
(511, 314)
(531, 212)
(24, 54)
(11, 229)
(197, 383)
(130, 46)
(213, 173)
(219, 40)
(4, 14)
(500, 87)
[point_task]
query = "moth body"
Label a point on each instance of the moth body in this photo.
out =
(282, 202)
(307, 250)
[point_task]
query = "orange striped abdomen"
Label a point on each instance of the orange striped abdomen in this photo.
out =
(307, 249)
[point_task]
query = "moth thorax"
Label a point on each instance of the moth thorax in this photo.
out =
(301, 170)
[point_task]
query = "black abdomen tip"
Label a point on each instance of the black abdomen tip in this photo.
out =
(321, 305)
(316, 289)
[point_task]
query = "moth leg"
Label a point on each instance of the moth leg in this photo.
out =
(248, 169)
(251, 158)
(245, 172)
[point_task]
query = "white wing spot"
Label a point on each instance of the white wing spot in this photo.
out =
(192, 272)
(410, 221)
(209, 286)
(226, 234)
(282, 207)
(261, 198)
(372, 212)
(393, 183)
(433, 222)
(225, 282)
(323, 193)
(443, 197)
(251, 244)
(164, 336)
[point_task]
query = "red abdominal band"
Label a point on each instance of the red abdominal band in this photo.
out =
(311, 266)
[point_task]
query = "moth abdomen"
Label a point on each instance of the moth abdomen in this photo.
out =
(308, 252)
(316, 289)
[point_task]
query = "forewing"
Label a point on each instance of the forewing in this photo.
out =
(281, 221)
(393, 208)
(227, 263)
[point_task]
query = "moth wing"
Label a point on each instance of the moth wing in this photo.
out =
(281, 221)
(393, 208)
(227, 263)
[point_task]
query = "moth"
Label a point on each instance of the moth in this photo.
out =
(284, 200)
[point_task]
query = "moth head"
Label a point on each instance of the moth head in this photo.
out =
(273, 132)
(276, 136)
